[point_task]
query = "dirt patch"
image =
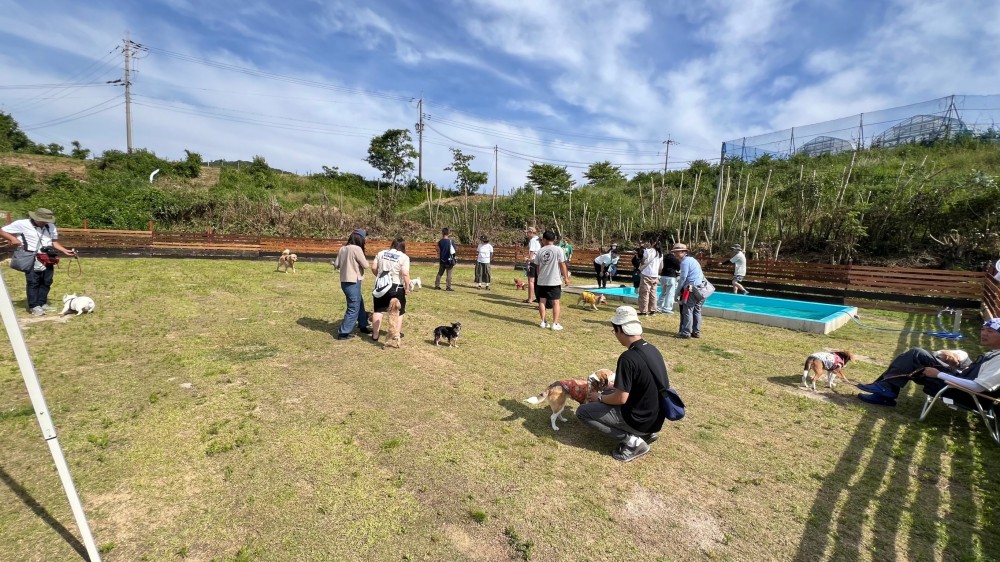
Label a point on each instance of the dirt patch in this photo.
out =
(651, 513)
(29, 320)
(473, 547)
(44, 166)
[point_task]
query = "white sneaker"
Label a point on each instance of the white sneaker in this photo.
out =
(556, 327)
(544, 324)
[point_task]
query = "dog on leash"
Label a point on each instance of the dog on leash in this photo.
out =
(591, 299)
(519, 285)
(448, 332)
(392, 337)
(79, 305)
(415, 284)
(832, 362)
(287, 261)
(578, 389)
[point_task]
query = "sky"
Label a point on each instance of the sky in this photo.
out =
(309, 83)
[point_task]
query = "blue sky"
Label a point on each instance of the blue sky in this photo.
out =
(307, 84)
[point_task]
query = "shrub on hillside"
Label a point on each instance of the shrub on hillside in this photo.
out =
(17, 183)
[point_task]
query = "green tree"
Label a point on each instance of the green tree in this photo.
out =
(79, 152)
(391, 153)
(603, 173)
(466, 180)
(12, 138)
(550, 179)
(54, 149)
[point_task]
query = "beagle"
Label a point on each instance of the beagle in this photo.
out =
(577, 389)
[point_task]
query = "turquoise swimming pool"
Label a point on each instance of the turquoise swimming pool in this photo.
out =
(804, 316)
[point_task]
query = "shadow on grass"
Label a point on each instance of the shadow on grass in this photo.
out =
(319, 325)
(657, 331)
(508, 318)
(898, 478)
(794, 383)
(43, 514)
(507, 301)
(571, 432)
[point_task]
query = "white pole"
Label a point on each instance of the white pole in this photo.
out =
(42, 414)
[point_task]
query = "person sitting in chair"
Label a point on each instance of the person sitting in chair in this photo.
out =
(922, 367)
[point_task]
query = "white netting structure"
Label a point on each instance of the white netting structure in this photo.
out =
(944, 118)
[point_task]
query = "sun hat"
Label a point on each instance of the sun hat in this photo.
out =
(626, 317)
(42, 215)
(678, 247)
(737, 247)
(992, 323)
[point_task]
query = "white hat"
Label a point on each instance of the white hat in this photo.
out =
(626, 317)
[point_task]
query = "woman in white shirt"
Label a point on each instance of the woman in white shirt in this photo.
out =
(649, 273)
(484, 255)
(602, 267)
(397, 263)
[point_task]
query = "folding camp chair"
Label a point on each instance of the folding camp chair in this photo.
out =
(956, 397)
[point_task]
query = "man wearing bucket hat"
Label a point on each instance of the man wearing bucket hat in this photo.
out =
(922, 367)
(739, 261)
(690, 276)
(630, 413)
(38, 234)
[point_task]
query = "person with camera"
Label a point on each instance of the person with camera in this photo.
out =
(38, 234)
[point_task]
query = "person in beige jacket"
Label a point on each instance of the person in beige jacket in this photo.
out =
(352, 263)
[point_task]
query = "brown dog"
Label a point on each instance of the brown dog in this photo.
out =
(830, 361)
(519, 285)
(287, 260)
(391, 320)
(592, 299)
(577, 389)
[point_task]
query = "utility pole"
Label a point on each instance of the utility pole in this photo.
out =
(666, 155)
(131, 50)
(128, 93)
(420, 142)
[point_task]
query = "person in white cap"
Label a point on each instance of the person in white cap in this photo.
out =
(630, 413)
(739, 261)
(923, 367)
(38, 234)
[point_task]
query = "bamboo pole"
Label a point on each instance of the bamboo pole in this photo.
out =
(687, 217)
(760, 211)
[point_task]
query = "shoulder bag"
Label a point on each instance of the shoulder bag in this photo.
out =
(23, 260)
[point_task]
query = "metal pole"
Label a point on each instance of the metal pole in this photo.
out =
(44, 421)
(128, 93)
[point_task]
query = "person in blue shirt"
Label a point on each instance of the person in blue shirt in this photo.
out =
(690, 277)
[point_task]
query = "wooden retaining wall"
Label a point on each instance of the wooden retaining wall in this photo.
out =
(832, 283)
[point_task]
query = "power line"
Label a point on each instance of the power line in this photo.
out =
(76, 115)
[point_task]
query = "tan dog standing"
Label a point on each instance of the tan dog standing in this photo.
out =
(392, 337)
(592, 299)
(578, 389)
(287, 260)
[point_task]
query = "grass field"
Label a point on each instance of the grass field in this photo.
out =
(207, 413)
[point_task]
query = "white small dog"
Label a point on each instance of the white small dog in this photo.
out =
(415, 284)
(79, 305)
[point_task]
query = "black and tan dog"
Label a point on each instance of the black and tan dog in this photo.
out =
(578, 389)
(591, 299)
(448, 332)
(287, 260)
(830, 361)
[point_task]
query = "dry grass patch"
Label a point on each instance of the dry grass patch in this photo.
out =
(208, 414)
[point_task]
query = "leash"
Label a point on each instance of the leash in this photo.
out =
(79, 269)
(943, 334)
(903, 376)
